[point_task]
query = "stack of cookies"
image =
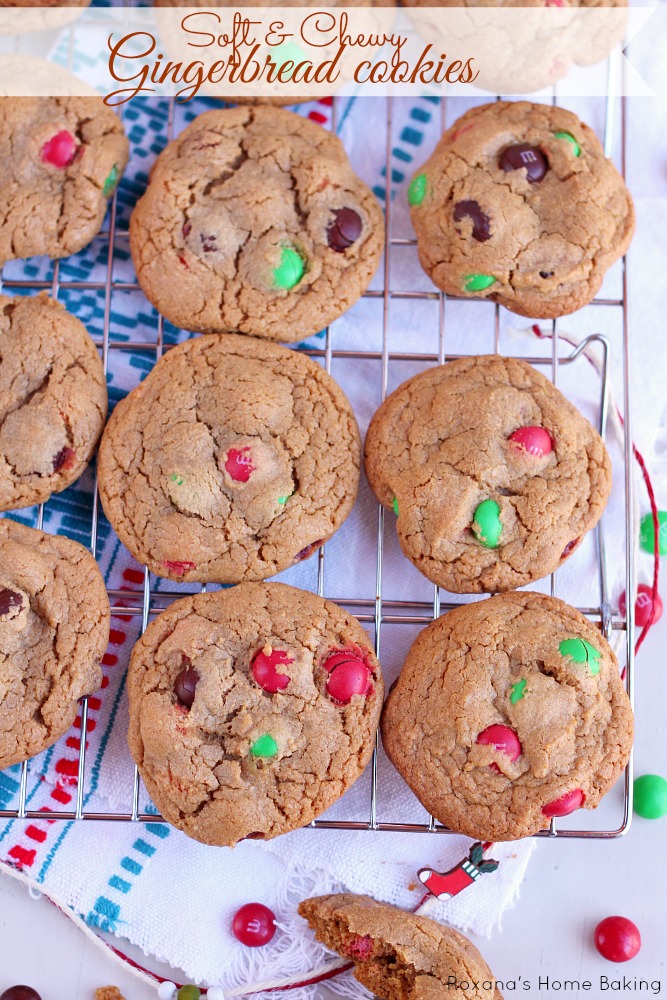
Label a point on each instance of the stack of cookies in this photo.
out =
(252, 709)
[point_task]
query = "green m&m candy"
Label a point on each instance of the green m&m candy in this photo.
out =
(290, 270)
(188, 992)
(581, 651)
(569, 138)
(647, 534)
(486, 525)
(265, 746)
(518, 690)
(111, 181)
(650, 796)
(478, 282)
(417, 190)
(394, 504)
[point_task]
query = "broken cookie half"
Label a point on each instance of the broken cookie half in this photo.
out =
(399, 955)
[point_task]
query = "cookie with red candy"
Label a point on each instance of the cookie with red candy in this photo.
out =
(53, 399)
(251, 710)
(60, 161)
(509, 713)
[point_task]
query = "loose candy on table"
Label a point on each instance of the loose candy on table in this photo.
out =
(189, 992)
(254, 925)
(344, 229)
(647, 533)
(531, 440)
(643, 605)
(526, 157)
(264, 672)
(617, 939)
(650, 796)
(185, 686)
(348, 675)
(60, 150)
(20, 993)
(290, 270)
(486, 525)
(566, 804)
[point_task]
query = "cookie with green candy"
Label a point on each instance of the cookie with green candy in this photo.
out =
(519, 204)
(494, 476)
(255, 222)
(60, 161)
(499, 724)
(234, 459)
(276, 718)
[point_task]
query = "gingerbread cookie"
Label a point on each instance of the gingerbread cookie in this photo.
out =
(54, 629)
(508, 712)
(519, 204)
(60, 161)
(53, 399)
(253, 221)
(494, 475)
(251, 710)
(233, 460)
(399, 955)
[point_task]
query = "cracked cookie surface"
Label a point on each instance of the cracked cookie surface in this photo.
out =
(53, 399)
(254, 221)
(507, 712)
(444, 444)
(399, 955)
(54, 629)
(60, 161)
(232, 723)
(233, 459)
(519, 204)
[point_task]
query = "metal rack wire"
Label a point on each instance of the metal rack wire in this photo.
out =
(380, 611)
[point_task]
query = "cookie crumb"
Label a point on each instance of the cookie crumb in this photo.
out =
(108, 993)
(268, 649)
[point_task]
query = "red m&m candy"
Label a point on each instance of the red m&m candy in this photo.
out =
(20, 993)
(504, 739)
(617, 939)
(263, 667)
(533, 441)
(643, 605)
(566, 804)
(239, 464)
(59, 150)
(348, 675)
(254, 925)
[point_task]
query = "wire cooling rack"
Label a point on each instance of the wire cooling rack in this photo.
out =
(381, 611)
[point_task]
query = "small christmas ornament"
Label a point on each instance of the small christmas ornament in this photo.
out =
(650, 800)
(617, 939)
(447, 884)
(254, 925)
(166, 990)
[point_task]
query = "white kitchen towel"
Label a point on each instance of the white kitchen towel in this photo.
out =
(150, 884)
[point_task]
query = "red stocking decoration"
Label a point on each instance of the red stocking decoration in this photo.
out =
(447, 884)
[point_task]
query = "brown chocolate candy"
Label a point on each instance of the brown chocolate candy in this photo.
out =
(481, 223)
(185, 686)
(524, 156)
(344, 229)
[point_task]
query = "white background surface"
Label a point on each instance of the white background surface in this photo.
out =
(569, 888)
